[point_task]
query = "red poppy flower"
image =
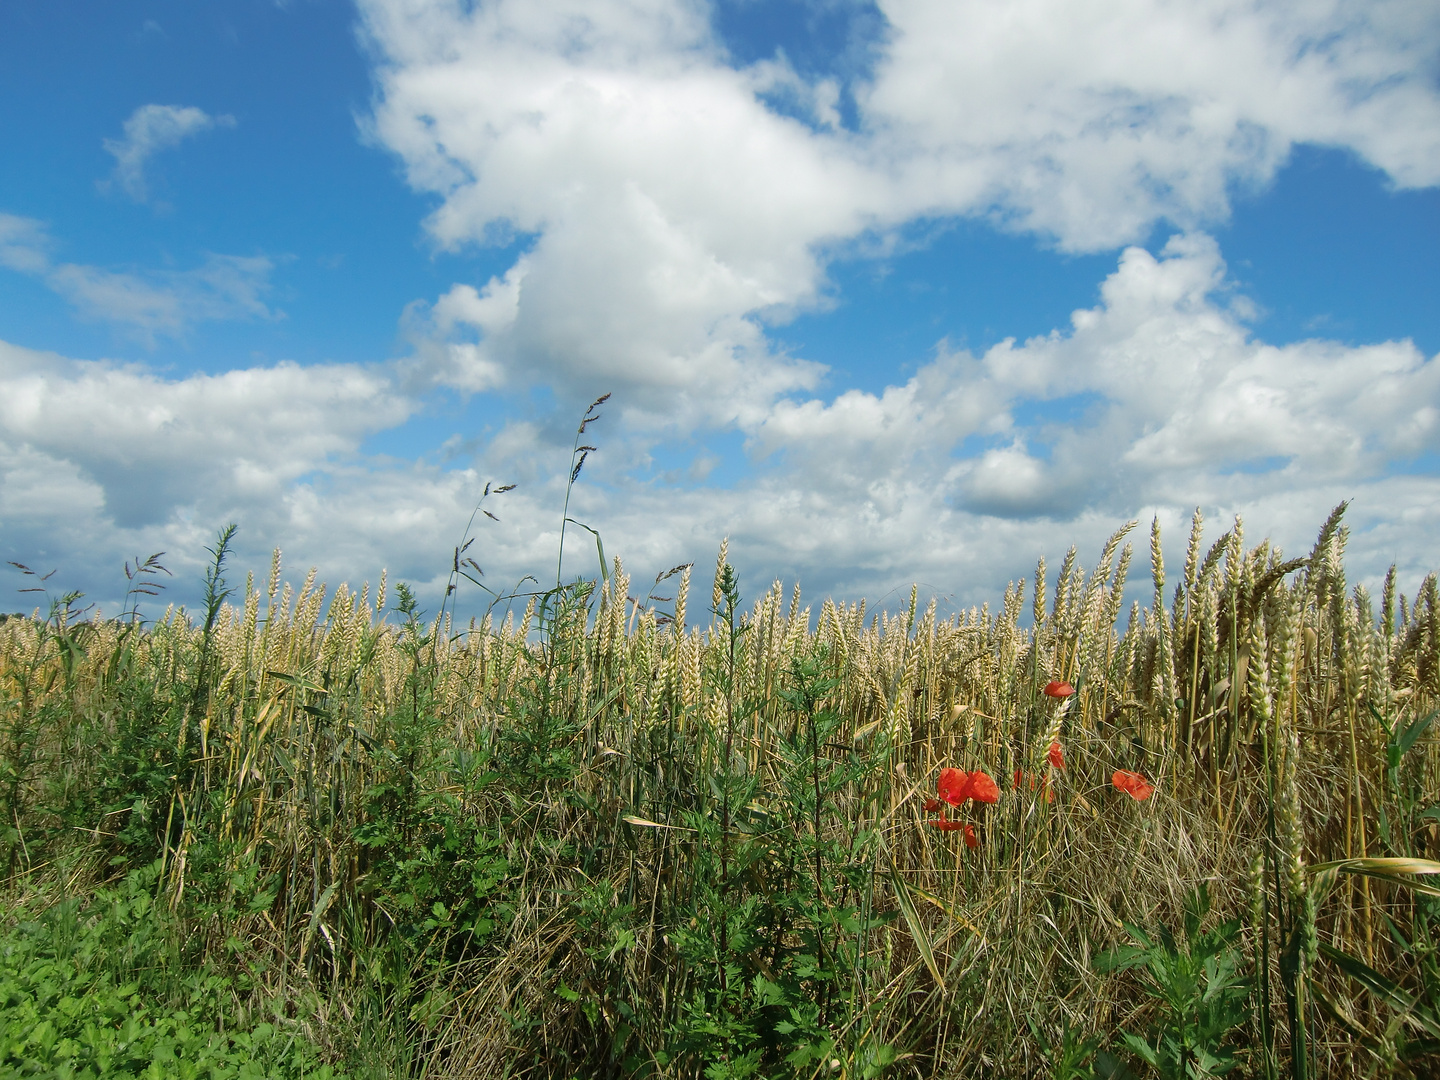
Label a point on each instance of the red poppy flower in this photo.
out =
(1056, 756)
(956, 786)
(971, 840)
(983, 788)
(1055, 688)
(946, 826)
(949, 785)
(931, 805)
(1133, 784)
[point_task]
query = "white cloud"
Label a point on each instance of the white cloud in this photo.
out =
(962, 476)
(1092, 121)
(672, 214)
(959, 478)
(168, 302)
(148, 130)
(1184, 385)
(99, 460)
(155, 444)
(1174, 387)
(671, 208)
(1181, 406)
(669, 215)
(152, 303)
(23, 244)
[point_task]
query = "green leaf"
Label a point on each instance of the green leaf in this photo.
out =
(1397, 871)
(916, 927)
(1149, 1054)
(1120, 958)
(599, 547)
(1411, 735)
(1382, 987)
(1109, 1067)
(566, 993)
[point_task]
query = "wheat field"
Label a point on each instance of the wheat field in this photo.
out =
(687, 834)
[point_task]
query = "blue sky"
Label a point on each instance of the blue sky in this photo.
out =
(325, 268)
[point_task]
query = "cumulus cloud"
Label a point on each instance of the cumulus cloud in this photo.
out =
(147, 131)
(149, 303)
(1159, 395)
(1090, 122)
(672, 213)
(671, 210)
(153, 444)
(959, 478)
(668, 214)
(99, 459)
(1156, 400)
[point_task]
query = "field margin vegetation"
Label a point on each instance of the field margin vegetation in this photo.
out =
(592, 837)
